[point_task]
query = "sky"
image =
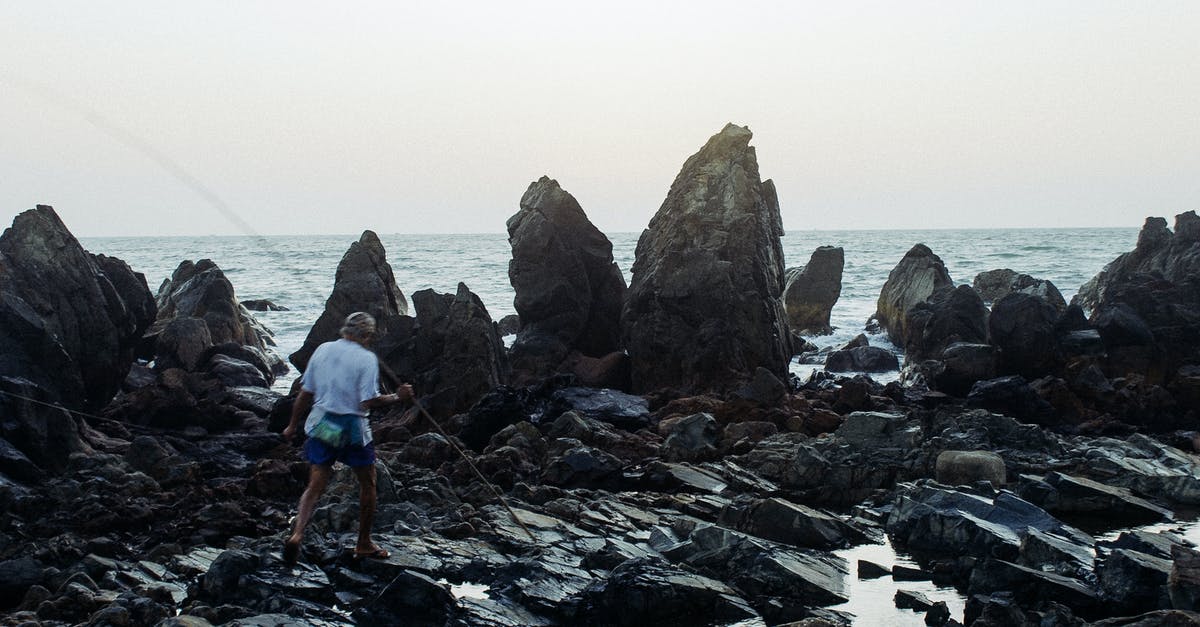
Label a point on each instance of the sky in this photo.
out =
(167, 118)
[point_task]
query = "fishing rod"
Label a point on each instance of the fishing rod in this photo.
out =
(139, 144)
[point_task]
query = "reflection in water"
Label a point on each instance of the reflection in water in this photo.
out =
(871, 600)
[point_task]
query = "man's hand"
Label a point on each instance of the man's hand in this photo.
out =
(289, 433)
(404, 393)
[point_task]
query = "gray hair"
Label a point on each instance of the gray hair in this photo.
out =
(358, 325)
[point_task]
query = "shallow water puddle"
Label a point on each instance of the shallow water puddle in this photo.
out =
(872, 600)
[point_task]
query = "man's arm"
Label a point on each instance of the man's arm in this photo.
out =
(300, 409)
(403, 393)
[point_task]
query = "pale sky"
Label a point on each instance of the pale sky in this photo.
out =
(332, 117)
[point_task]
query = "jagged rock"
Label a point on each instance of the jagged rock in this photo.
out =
(968, 467)
(1023, 327)
(201, 290)
(1031, 586)
(1157, 544)
(69, 320)
(451, 353)
(691, 438)
(568, 290)
(912, 600)
(871, 570)
(963, 365)
(1063, 494)
(810, 291)
(181, 343)
(16, 577)
(788, 523)
(918, 275)
(946, 317)
(235, 372)
(1040, 550)
(996, 284)
(862, 359)
(363, 282)
(1158, 618)
(1011, 396)
(262, 305)
(1173, 256)
(582, 466)
(40, 432)
(1134, 581)
(643, 591)
(869, 428)
(1183, 584)
(617, 408)
(703, 309)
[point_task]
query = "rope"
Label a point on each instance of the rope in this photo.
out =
(53, 406)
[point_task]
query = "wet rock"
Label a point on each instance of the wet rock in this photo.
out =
(262, 305)
(865, 429)
(1134, 581)
(1063, 494)
(1158, 618)
(912, 600)
(1032, 586)
(648, 591)
(235, 372)
(69, 320)
(994, 285)
(363, 282)
(908, 573)
(201, 290)
(582, 466)
(788, 523)
(811, 291)
(871, 570)
(1156, 544)
(617, 408)
(912, 281)
(568, 290)
(181, 344)
(862, 359)
(938, 614)
(1044, 551)
(1023, 328)
(946, 317)
(968, 467)
(703, 309)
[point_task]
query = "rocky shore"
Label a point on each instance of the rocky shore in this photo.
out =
(649, 436)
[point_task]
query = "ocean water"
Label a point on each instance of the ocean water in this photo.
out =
(297, 271)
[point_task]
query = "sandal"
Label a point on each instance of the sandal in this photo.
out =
(375, 554)
(291, 552)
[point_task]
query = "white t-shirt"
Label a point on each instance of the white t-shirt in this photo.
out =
(341, 375)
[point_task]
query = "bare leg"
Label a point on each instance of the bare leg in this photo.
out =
(366, 508)
(318, 478)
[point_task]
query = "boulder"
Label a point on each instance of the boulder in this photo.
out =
(1183, 584)
(363, 282)
(1173, 256)
(1134, 581)
(262, 305)
(789, 523)
(703, 309)
(996, 284)
(40, 432)
(181, 343)
(1023, 327)
(947, 317)
(568, 289)
(963, 365)
(1011, 396)
(691, 438)
(810, 291)
(70, 321)
(201, 291)
(969, 467)
(1059, 493)
(862, 359)
(451, 352)
(918, 275)
(652, 591)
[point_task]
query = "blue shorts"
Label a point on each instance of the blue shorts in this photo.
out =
(354, 456)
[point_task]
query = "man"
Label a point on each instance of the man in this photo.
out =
(338, 389)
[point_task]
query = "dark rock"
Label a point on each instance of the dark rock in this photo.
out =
(811, 291)
(1134, 581)
(1174, 256)
(1155, 544)
(963, 365)
(451, 353)
(567, 287)
(1183, 584)
(871, 570)
(582, 466)
(181, 343)
(642, 592)
(43, 433)
(782, 521)
(764, 389)
(363, 282)
(862, 359)
(918, 275)
(1023, 328)
(867, 429)
(201, 290)
(15, 464)
(1032, 586)
(911, 600)
(691, 438)
(994, 285)
(704, 310)
(1011, 396)
(1063, 494)
(938, 614)
(1044, 551)
(908, 573)
(16, 577)
(859, 340)
(617, 408)
(262, 305)
(1158, 618)
(235, 372)
(968, 467)
(69, 321)
(946, 317)
(509, 325)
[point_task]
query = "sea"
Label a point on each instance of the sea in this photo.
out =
(297, 272)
